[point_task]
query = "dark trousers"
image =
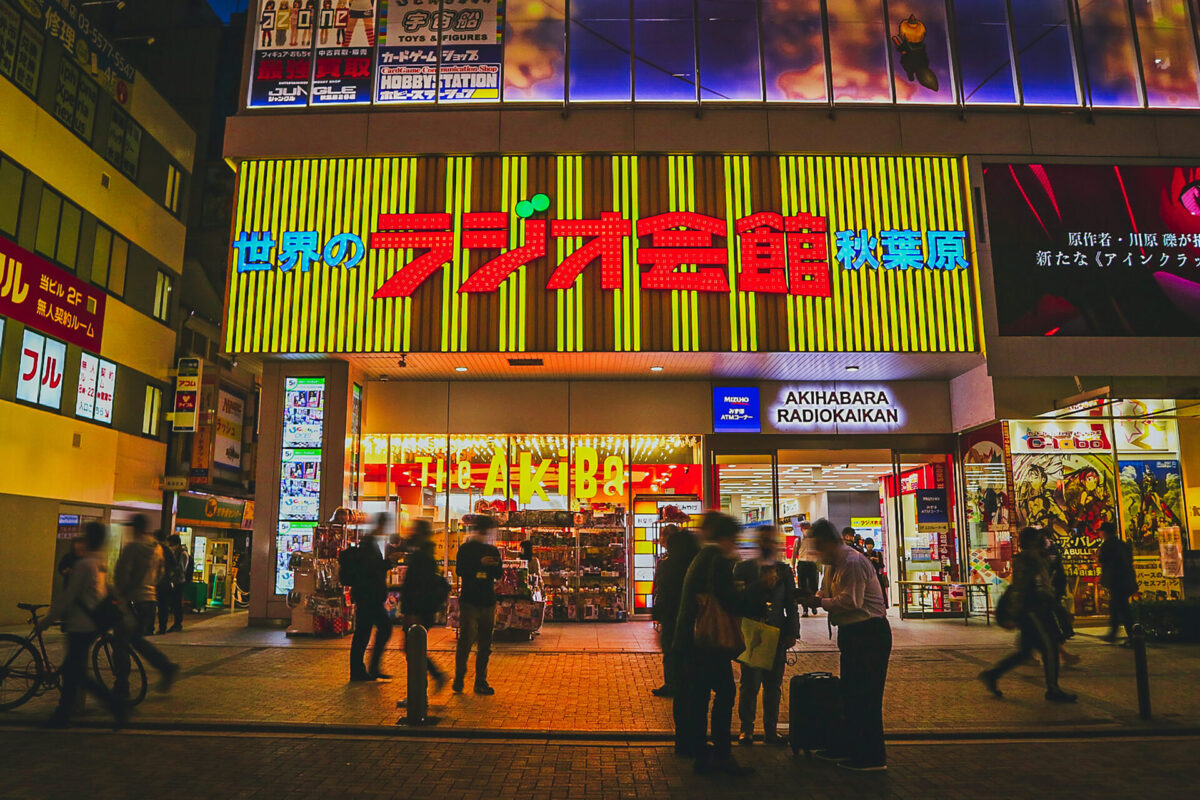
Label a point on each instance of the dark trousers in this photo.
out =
(865, 648)
(75, 676)
(129, 637)
(368, 615)
(705, 676)
(1120, 614)
(426, 621)
(170, 599)
(670, 660)
(771, 683)
(475, 624)
(143, 612)
(1036, 633)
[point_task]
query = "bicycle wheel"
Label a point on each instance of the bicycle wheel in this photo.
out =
(21, 671)
(106, 667)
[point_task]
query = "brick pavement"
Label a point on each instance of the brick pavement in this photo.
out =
(234, 675)
(99, 765)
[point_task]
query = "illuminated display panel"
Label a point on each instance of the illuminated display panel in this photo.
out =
(300, 471)
(584, 254)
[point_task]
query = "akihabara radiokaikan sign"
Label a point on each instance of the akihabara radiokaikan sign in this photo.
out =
(602, 253)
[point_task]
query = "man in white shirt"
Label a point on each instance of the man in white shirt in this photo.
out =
(854, 601)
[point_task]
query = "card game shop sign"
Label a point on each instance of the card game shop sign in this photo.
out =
(603, 254)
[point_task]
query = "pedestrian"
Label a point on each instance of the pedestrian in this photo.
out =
(1118, 577)
(876, 559)
(364, 569)
(478, 565)
(707, 674)
(86, 589)
(67, 562)
(681, 548)
(1031, 601)
(851, 538)
(776, 608)
(1058, 582)
(135, 585)
(169, 574)
(532, 564)
(854, 601)
(182, 579)
(424, 590)
(808, 574)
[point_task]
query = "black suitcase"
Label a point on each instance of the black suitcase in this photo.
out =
(814, 711)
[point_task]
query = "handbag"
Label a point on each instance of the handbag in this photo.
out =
(762, 643)
(715, 629)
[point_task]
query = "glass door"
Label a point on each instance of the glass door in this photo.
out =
(745, 486)
(921, 522)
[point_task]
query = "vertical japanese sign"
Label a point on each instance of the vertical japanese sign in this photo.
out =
(283, 47)
(94, 393)
(106, 386)
(470, 58)
(45, 297)
(227, 438)
(41, 374)
(345, 58)
(188, 373)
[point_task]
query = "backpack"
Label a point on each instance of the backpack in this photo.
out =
(182, 567)
(350, 567)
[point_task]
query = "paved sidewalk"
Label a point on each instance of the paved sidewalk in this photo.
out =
(237, 676)
(99, 765)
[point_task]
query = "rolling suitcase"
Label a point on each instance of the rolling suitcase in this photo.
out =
(814, 711)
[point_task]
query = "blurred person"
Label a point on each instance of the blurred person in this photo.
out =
(534, 566)
(1119, 578)
(876, 559)
(479, 566)
(1058, 582)
(1032, 608)
(424, 590)
(182, 579)
(681, 548)
(854, 601)
(708, 674)
(135, 583)
(808, 574)
(77, 551)
(851, 538)
(167, 580)
(86, 589)
(776, 608)
(364, 569)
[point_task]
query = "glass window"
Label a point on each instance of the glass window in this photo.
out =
(101, 252)
(162, 297)
(730, 67)
(534, 46)
(858, 54)
(117, 265)
(124, 147)
(10, 37)
(793, 50)
(28, 63)
(1045, 52)
(12, 180)
(921, 51)
(150, 411)
(131, 155)
(1108, 50)
(85, 109)
(110, 253)
(47, 229)
(68, 235)
(171, 192)
(985, 51)
(68, 89)
(600, 50)
(664, 41)
(1168, 53)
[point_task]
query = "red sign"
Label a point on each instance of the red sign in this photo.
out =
(43, 296)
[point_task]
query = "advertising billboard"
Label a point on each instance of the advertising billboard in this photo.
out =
(603, 254)
(1092, 250)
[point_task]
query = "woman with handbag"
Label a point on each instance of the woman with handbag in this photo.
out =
(708, 637)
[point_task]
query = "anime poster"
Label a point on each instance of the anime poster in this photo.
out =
(1068, 493)
(344, 64)
(1093, 250)
(1151, 499)
(470, 52)
(988, 507)
(283, 46)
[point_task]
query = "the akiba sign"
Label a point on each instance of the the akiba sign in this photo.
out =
(595, 253)
(821, 407)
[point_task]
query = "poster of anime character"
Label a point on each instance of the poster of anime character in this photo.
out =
(283, 48)
(1151, 499)
(344, 63)
(465, 67)
(988, 504)
(1069, 494)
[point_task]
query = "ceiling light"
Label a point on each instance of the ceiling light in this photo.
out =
(852, 368)
(460, 369)
(656, 369)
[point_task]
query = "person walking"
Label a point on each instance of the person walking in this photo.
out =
(1031, 601)
(365, 570)
(86, 589)
(1058, 582)
(852, 597)
(135, 585)
(71, 558)
(424, 589)
(708, 674)
(668, 586)
(808, 574)
(776, 608)
(479, 565)
(876, 559)
(165, 588)
(1118, 577)
(182, 579)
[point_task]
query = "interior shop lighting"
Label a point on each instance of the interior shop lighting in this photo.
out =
(460, 369)
(656, 369)
(851, 368)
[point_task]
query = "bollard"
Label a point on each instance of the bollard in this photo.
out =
(417, 710)
(1138, 638)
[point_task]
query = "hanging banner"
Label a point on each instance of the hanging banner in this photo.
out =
(227, 431)
(283, 45)
(470, 59)
(188, 372)
(345, 57)
(42, 296)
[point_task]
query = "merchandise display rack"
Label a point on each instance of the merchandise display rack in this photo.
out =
(319, 602)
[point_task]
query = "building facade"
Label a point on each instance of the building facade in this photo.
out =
(927, 268)
(94, 168)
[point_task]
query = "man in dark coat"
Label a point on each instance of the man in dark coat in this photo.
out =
(424, 590)
(668, 586)
(1118, 577)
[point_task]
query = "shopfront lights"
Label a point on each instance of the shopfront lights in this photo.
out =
(460, 369)
(852, 368)
(656, 369)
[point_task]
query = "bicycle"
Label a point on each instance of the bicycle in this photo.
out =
(26, 670)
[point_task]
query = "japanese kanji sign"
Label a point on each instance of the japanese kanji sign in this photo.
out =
(704, 253)
(39, 294)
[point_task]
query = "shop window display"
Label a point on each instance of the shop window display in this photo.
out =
(989, 547)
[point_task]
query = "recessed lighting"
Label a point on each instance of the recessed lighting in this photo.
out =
(656, 369)
(460, 369)
(852, 368)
